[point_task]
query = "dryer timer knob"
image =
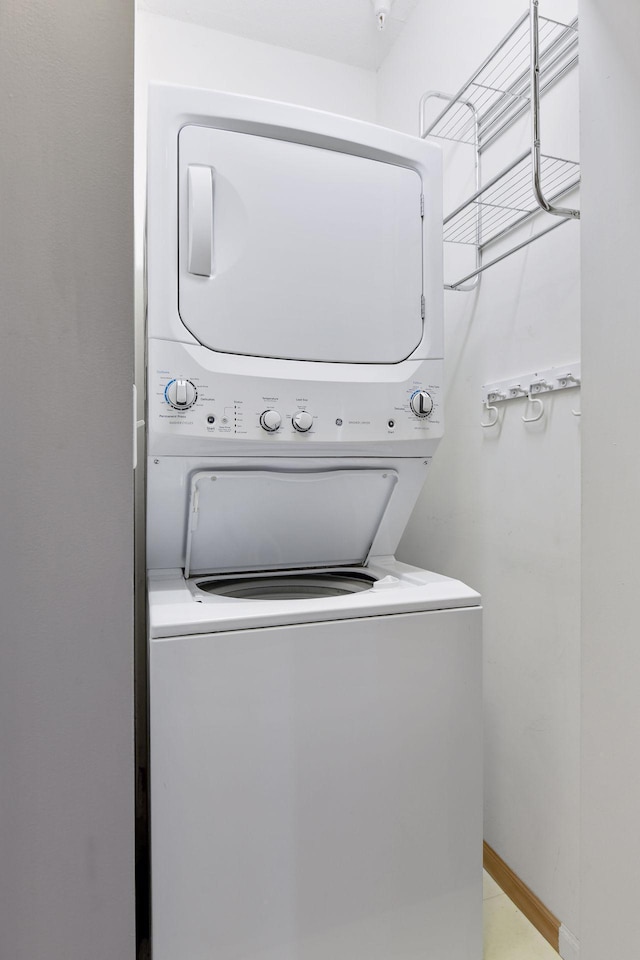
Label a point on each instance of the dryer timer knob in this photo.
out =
(421, 403)
(180, 394)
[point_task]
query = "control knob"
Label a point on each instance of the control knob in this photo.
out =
(181, 394)
(421, 403)
(302, 421)
(270, 420)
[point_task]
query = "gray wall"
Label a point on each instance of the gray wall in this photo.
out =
(610, 838)
(66, 365)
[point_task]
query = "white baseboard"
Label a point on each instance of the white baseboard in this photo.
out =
(568, 944)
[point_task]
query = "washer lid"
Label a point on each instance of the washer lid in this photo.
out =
(278, 519)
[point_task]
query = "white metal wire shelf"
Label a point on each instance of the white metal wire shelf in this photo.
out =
(534, 54)
(500, 89)
(507, 200)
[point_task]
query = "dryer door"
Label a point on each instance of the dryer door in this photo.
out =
(294, 251)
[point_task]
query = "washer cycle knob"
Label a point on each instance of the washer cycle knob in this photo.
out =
(302, 421)
(270, 420)
(180, 394)
(421, 403)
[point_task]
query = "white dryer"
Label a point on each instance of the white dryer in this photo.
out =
(314, 703)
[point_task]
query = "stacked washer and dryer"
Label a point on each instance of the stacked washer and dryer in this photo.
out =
(315, 704)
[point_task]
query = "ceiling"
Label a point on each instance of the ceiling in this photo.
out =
(343, 30)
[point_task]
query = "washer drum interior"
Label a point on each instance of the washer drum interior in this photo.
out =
(289, 586)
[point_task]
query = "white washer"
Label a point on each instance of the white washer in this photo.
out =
(315, 771)
(314, 704)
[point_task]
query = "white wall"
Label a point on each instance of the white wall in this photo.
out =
(501, 506)
(175, 51)
(66, 365)
(610, 837)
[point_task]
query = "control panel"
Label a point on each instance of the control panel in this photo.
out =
(189, 401)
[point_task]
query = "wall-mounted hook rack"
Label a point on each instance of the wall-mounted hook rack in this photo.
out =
(532, 386)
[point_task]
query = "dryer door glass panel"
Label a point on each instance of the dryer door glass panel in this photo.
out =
(297, 252)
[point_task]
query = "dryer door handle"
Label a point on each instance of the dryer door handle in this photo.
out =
(200, 258)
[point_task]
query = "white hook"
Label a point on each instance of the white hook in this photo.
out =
(576, 413)
(538, 415)
(515, 390)
(490, 407)
(567, 379)
(540, 386)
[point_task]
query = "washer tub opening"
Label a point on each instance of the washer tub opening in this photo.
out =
(289, 586)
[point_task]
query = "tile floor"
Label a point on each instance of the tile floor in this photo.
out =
(508, 935)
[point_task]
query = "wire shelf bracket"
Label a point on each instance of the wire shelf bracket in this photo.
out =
(531, 58)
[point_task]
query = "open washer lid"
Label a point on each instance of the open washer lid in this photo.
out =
(277, 519)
